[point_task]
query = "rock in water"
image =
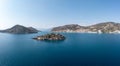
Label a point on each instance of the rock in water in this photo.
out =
(19, 29)
(51, 36)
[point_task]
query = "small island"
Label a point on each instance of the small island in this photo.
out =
(51, 37)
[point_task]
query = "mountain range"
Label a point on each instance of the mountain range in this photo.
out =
(106, 27)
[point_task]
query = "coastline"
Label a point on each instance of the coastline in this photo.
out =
(86, 32)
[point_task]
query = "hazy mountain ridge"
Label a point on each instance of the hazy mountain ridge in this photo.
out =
(19, 29)
(106, 27)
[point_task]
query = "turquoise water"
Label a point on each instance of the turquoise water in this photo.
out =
(76, 50)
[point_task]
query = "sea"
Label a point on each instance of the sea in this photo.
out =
(78, 49)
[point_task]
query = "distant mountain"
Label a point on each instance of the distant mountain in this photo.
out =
(70, 27)
(107, 27)
(45, 29)
(19, 29)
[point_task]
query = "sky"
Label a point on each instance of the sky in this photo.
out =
(52, 13)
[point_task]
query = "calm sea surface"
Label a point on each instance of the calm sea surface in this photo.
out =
(77, 50)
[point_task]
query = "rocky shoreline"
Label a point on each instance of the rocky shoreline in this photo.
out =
(51, 36)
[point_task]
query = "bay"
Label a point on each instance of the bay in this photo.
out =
(79, 49)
